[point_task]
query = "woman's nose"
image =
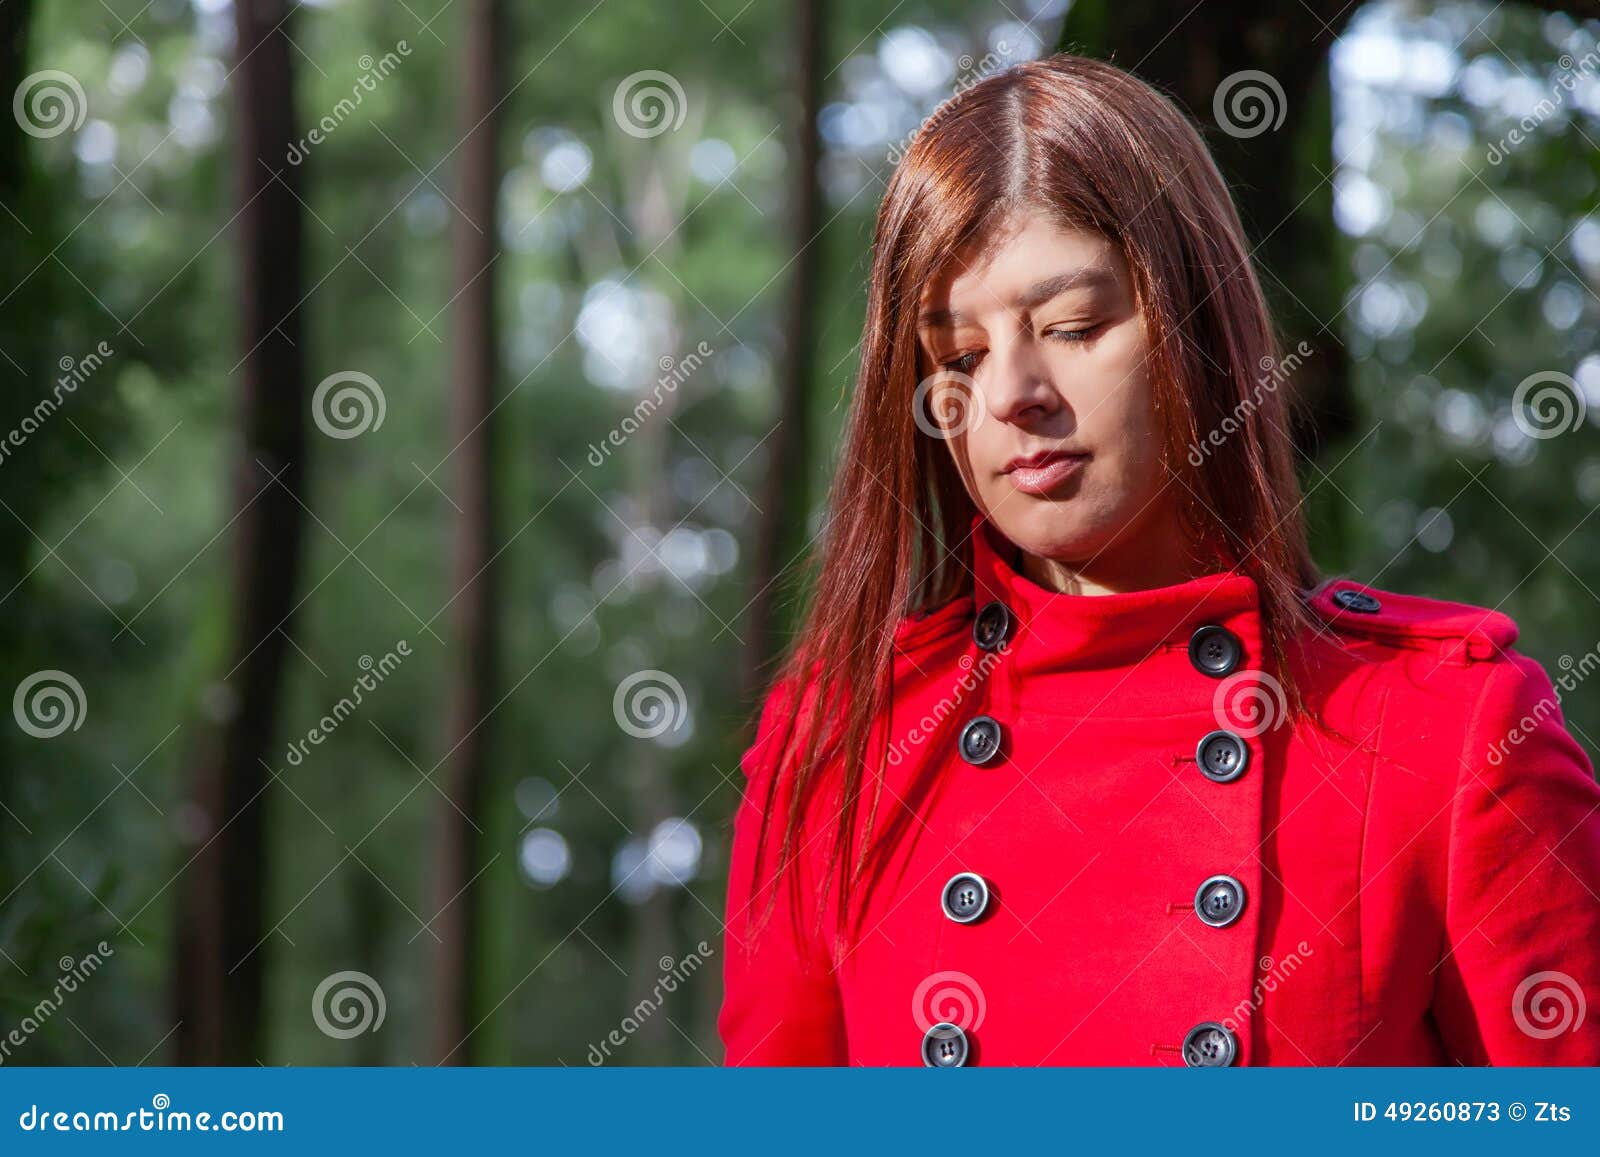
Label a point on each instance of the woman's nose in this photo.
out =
(1019, 387)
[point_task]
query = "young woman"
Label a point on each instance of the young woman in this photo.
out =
(1076, 760)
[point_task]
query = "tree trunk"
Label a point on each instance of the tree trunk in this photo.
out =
(14, 18)
(780, 526)
(472, 656)
(221, 949)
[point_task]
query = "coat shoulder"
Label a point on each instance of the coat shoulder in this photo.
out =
(1456, 633)
(1413, 672)
(1436, 685)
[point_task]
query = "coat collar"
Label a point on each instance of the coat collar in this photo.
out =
(1054, 631)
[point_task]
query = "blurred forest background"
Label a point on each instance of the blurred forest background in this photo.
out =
(489, 358)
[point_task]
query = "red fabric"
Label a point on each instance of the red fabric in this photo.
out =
(1422, 887)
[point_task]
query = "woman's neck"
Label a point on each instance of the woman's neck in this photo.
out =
(1068, 578)
(1150, 558)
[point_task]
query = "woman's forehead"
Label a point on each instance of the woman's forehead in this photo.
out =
(1017, 265)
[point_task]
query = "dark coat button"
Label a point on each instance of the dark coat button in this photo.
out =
(990, 628)
(1219, 901)
(965, 897)
(1222, 756)
(980, 741)
(1209, 1045)
(945, 1046)
(1358, 601)
(1215, 650)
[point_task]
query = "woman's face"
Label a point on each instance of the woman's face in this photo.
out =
(1054, 422)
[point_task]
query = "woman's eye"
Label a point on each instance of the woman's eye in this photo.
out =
(961, 365)
(1072, 335)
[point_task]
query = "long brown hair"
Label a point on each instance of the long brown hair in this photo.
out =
(1096, 149)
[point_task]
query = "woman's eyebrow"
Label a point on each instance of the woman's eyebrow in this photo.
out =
(1083, 277)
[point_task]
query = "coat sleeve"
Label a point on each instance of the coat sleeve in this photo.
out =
(1521, 965)
(780, 1001)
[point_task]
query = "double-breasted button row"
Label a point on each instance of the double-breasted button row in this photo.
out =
(1219, 901)
(981, 737)
(965, 898)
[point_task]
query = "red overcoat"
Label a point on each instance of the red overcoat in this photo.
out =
(1121, 848)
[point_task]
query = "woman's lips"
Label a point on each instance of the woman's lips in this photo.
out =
(1047, 474)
